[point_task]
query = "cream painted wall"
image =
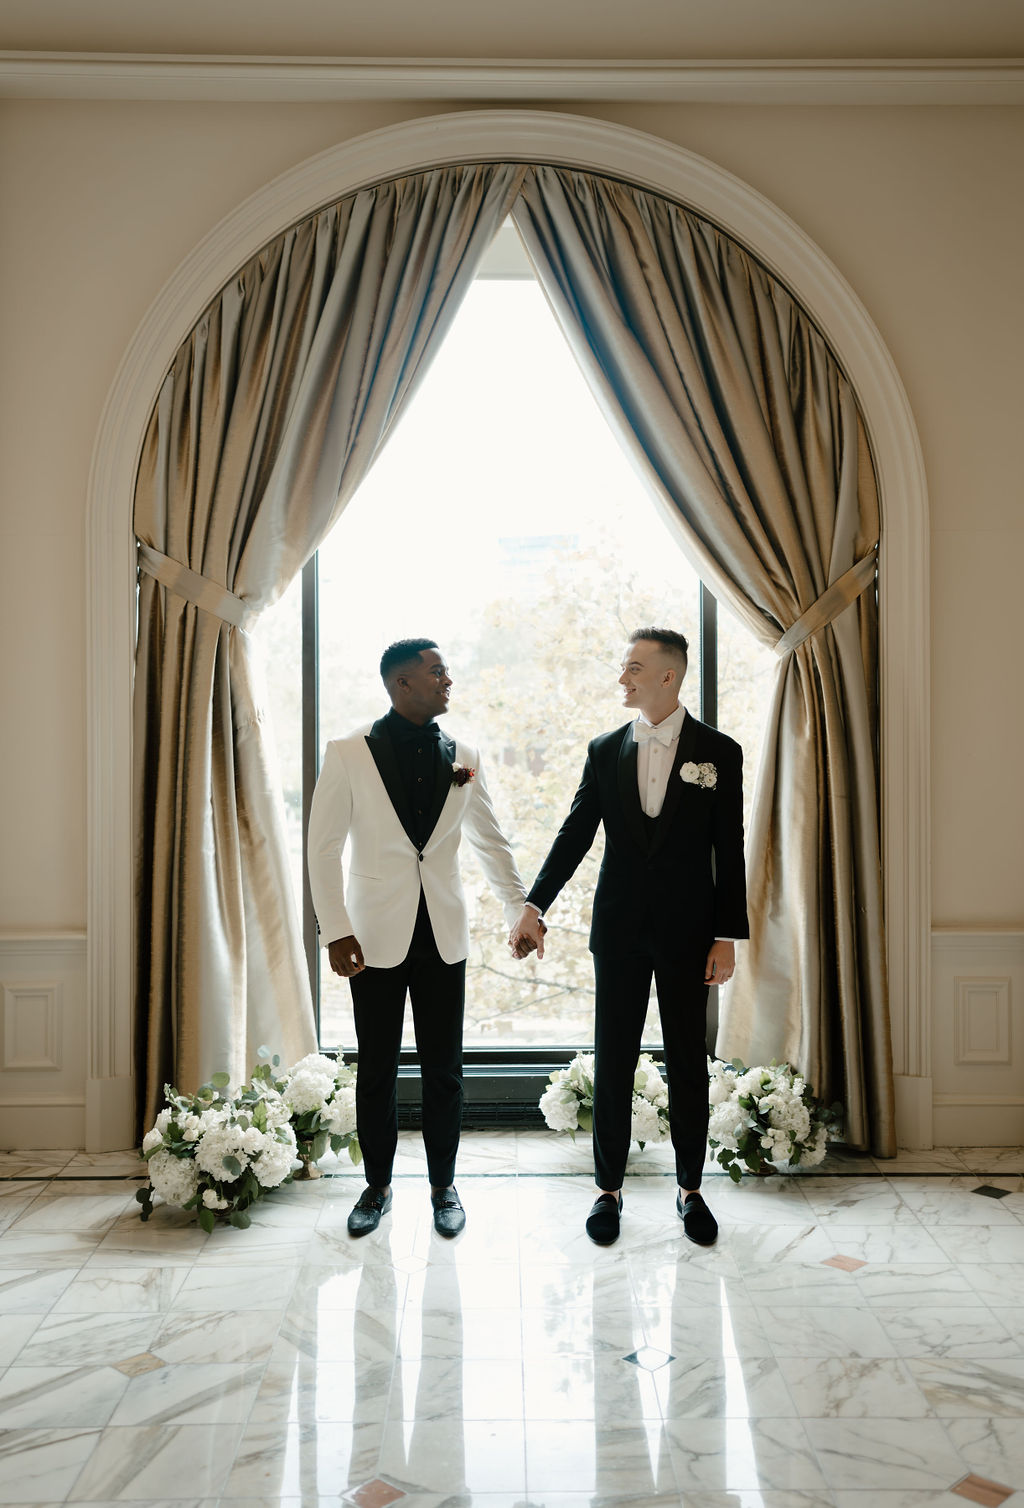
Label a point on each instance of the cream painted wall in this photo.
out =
(919, 208)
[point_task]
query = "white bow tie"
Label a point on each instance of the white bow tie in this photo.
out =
(643, 731)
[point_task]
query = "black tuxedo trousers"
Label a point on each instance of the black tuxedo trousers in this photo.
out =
(667, 888)
(622, 989)
(437, 995)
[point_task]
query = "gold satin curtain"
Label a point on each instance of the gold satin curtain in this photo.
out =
(737, 414)
(273, 410)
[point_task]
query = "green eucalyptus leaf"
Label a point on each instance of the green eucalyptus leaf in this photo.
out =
(734, 1173)
(232, 1166)
(207, 1220)
(239, 1219)
(354, 1150)
(221, 1080)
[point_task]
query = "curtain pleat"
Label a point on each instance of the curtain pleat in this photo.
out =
(738, 416)
(273, 410)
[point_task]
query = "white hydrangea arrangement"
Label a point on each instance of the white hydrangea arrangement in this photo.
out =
(766, 1120)
(219, 1153)
(321, 1094)
(567, 1104)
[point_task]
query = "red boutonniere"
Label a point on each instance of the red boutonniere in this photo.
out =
(462, 774)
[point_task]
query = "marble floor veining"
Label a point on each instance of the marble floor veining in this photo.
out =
(854, 1340)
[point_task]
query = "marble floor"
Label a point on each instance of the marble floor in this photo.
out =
(855, 1339)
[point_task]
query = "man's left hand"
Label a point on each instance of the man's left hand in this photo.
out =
(721, 964)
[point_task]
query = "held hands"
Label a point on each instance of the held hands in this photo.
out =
(346, 957)
(527, 934)
(721, 964)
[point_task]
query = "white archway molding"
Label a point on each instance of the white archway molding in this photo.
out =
(601, 147)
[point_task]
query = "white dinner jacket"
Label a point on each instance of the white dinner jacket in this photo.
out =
(374, 895)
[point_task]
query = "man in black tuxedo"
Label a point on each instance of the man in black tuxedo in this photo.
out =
(397, 795)
(670, 900)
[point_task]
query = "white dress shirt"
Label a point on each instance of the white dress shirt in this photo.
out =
(656, 749)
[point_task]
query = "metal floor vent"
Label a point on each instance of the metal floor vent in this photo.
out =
(482, 1115)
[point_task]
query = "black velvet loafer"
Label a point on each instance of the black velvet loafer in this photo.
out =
(603, 1220)
(449, 1216)
(699, 1223)
(367, 1210)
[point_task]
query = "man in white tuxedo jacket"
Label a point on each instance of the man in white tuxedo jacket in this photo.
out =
(398, 794)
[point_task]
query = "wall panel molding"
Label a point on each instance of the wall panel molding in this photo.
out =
(978, 1010)
(42, 1039)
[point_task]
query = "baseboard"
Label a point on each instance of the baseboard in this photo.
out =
(979, 1121)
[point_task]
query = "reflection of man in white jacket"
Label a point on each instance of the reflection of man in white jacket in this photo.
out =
(399, 793)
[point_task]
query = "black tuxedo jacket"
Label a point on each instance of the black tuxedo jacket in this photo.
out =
(680, 876)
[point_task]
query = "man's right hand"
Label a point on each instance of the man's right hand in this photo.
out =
(346, 957)
(527, 934)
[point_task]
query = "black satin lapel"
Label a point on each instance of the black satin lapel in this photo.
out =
(383, 751)
(629, 791)
(673, 791)
(443, 782)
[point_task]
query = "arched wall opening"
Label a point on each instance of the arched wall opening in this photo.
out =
(599, 147)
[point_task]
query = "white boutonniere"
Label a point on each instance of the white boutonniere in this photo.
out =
(704, 775)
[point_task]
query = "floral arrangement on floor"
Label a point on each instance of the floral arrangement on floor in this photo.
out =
(321, 1094)
(766, 1120)
(567, 1104)
(219, 1153)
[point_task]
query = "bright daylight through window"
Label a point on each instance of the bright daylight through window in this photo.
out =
(504, 519)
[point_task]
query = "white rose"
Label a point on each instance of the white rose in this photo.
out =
(341, 1112)
(560, 1108)
(213, 1201)
(719, 1090)
(727, 1124)
(646, 1124)
(152, 1139)
(749, 1082)
(163, 1121)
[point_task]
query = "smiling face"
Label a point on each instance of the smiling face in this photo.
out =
(650, 680)
(422, 687)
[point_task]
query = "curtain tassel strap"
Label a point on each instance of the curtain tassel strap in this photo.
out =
(205, 594)
(833, 601)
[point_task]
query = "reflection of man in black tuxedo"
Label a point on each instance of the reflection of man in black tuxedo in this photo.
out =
(670, 899)
(397, 796)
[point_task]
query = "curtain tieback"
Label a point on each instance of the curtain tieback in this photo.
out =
(833, 601)
(206, 594)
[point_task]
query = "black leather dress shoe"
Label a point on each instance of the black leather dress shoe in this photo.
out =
(699, 1223)
(449, 1216)
(365, 1214)
(603, 1220)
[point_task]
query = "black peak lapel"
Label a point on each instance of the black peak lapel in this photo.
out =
(443, 784)
(383, 750)
(629, 791)
(673, 791)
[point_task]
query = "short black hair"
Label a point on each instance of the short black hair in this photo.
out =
(402, 652)
(666, 637)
